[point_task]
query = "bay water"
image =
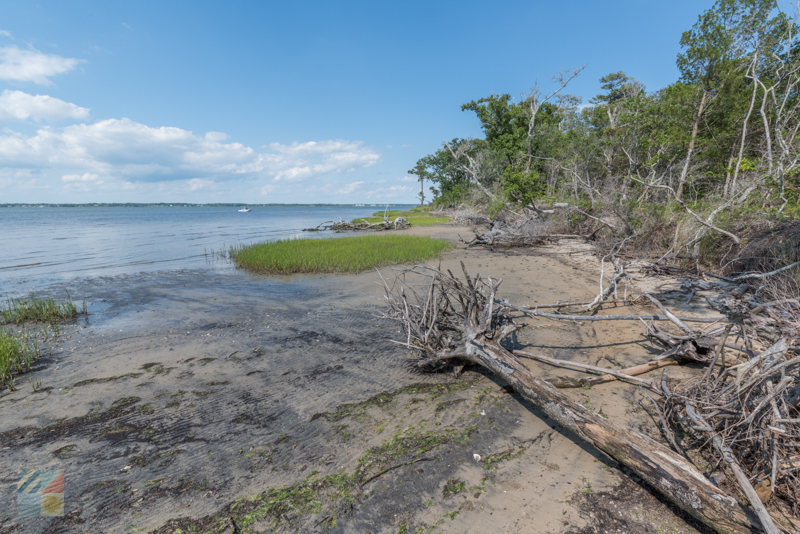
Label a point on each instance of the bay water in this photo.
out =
(41, 246)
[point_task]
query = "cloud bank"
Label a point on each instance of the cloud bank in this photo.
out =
(123, 155)
(122, 148)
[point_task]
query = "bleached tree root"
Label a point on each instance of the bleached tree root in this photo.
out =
(458, 320)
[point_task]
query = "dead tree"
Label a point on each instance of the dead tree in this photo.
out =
(519, 231)
(460, 320)
(342, 226)
(535, 99)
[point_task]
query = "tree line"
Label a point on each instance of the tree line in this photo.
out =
(722, 137)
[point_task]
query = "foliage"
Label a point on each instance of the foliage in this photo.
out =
(450, 182)
(728, 123)
(521, 186)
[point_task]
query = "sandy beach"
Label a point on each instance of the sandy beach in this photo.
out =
(185, 398)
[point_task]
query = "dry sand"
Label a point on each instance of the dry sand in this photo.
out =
(186, 391)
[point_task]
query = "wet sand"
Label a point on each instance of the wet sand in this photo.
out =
(184, 393)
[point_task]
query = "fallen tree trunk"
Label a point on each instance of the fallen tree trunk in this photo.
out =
(458, 320)
(663, 469)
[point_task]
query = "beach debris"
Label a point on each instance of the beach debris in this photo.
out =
(511, 229)
(398, 223)
(477, 457)
(461, 319)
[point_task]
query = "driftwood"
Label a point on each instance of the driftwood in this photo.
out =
(536, 313)
(342, 226)
(752, 424)
(504, 239)
(608, 374)
(460, 320)
(741, 478)
(590, 368)
(520, 232)
(747, 413)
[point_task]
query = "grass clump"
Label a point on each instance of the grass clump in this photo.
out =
(18, 352)
(335, 255)
(17, 311)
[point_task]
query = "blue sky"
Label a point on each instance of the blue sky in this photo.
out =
(255, 102)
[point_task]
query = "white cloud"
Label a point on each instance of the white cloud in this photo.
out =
(126, 148)
(269, 188)
(32, 66)
(390, 192)
(299, 161)
(349, 188)
(408, 179)
(195, 184)
(19, 106)
(217, 136)
(83, 182)
(5, 33)
(121, 155)
(86, 177)
(136, 152)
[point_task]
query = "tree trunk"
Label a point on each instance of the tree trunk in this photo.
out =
(743, 138)
(664, 470)
(695, 128)
(469, 310)
(728, 173)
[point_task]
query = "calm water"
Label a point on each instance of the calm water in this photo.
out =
(44, 245)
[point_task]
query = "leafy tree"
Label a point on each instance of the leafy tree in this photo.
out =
(503, 122)
(449, 181)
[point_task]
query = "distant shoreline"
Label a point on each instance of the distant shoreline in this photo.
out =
(181, 205)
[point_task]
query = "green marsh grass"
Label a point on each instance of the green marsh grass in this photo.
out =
(18, 311)
(18, 352)
(336, 255)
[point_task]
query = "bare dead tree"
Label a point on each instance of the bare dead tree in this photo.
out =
(779, 108)
(455, 319)
(743, 135)
(535, 99)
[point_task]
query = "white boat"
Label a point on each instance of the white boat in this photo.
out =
(243, 210)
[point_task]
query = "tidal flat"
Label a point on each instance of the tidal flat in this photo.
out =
(192, 400)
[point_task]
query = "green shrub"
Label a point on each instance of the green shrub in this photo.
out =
(521, 186)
